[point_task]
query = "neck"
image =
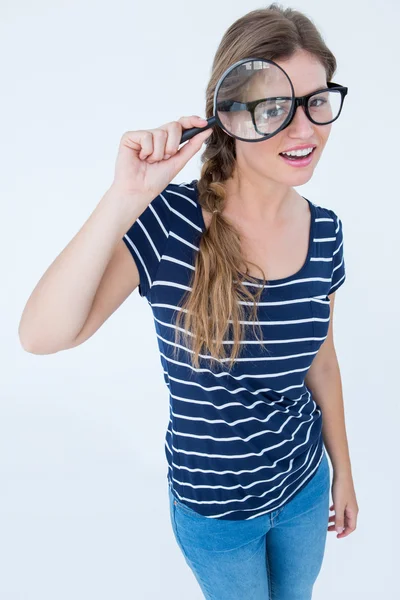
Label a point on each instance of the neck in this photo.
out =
(256, 200)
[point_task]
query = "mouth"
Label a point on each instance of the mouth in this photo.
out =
(298, 161)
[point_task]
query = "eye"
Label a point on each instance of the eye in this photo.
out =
(314, 102)
(273, 112)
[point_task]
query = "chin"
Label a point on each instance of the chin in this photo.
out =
(302, 176)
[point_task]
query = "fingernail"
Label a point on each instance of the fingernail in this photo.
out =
(339, 529)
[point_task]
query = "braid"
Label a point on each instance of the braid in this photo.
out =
(215, 290)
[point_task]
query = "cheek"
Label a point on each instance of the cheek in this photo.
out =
(262, 153)
(262, 160)
(325, 130)
(260, 157)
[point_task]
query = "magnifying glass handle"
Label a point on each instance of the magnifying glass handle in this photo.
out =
(189, 133)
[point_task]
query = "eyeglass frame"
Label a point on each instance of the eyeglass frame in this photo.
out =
(297, 101)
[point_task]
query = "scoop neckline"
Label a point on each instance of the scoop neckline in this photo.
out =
(282, 279)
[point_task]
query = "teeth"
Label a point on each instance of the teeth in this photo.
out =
(302, 152)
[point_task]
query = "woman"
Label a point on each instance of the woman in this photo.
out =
(248, 473)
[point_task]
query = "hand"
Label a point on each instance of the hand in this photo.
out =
(148, 160)
(345, 506)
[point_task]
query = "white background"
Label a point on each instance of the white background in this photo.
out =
(83, 500)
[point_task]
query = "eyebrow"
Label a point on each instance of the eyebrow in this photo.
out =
(321, 87)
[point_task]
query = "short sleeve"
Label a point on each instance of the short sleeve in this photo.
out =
(338, 264)
(146, 240)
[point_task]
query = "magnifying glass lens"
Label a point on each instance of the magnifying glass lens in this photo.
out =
(254, 99)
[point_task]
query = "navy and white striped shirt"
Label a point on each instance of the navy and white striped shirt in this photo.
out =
(239, 444)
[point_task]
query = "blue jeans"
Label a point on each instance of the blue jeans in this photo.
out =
(276, 556)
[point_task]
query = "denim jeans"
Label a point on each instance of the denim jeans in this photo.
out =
(276, 556)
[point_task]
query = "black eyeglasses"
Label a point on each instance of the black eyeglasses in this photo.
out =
(321, 107)
(258, 120)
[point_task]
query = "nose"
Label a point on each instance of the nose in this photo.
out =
(301, 126)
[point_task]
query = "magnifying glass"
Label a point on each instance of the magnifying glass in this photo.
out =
(253, 100)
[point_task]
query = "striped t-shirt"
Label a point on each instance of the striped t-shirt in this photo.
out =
(239, 443)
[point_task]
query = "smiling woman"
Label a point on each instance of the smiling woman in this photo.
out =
(246, 432)
(248, 361)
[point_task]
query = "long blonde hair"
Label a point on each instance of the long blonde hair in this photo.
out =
(272, 33)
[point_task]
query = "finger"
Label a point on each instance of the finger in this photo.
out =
(190, 148)
(193, 121)
(146, 141)
(160, 137)
(346, 531)
(350, 521)
(338, 535)
(174, 137)
(339, 520)
(175, 131)
(339, 526)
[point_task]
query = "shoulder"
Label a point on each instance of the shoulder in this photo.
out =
(329, 222)
(324, 214)
(181, 200)
(182, 195)
(177, 199)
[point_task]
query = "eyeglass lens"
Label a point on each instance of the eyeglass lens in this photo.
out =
(323, 108)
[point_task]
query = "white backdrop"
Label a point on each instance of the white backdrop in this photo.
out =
(83, 499)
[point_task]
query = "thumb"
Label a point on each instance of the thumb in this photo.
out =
(339, 520)
(189, 149)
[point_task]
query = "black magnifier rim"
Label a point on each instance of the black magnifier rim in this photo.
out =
(221, 80)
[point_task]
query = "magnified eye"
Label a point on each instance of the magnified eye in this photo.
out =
(272, 112)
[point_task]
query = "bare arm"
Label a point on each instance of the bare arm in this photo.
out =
(94, 271)
(120, 279)
(90, 278)
(324, 380)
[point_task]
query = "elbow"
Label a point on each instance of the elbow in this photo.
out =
(32, 346)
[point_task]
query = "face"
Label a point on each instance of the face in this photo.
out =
(263, 158)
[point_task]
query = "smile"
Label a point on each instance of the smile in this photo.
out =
(298, 161)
